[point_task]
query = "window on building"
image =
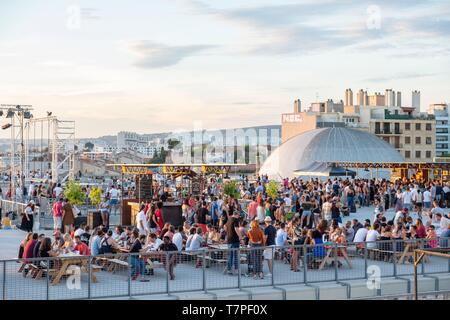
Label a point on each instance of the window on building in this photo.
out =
(407, 140)
(428, 140)
(418, 154)
(418, 140)
(407, 154)
(418, 126)
(428, 126)
(407, 126)
(428, 154)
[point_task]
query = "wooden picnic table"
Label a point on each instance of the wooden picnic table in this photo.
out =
(409, 251)
(329, 258)
(67, 261)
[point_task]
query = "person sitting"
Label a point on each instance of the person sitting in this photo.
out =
(81, 247)
(107, 244)
(432, 237)
(79, 231)
(69, 245)
(153, 242)
(6, 223)
(37, 246)
(196, 241)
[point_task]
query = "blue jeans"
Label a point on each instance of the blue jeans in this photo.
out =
(350, 202)
(233, 255)
(137, 266)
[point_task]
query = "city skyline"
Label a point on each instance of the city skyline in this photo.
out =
(161, 66)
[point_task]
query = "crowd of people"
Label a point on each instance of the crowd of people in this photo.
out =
(303, 212)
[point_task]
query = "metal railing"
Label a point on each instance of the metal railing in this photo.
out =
(160, 272)
(14, 210)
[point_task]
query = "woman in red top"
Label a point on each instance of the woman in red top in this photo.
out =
(421, 230)
(29, 247)
(158, 215)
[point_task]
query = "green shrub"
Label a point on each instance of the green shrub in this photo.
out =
(74, 193)
(96, 196)
(272, 189)
(231, 189)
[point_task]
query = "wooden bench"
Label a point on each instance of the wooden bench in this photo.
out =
(116, 264)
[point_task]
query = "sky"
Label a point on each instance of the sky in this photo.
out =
(157, 65)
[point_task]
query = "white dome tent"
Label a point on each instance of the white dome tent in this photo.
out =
(327, 145)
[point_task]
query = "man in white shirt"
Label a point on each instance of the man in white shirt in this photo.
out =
(361, 235)
(442, 223)
(407, 199)
(287, 200)
(195, 243)
(79, 231)
(178, 238)
(114, 199)
(437, 209)
(141, 221)
(372, 236)
(427, 199)
(281, 237)
(400, 214)
(154, 243)
(58, 191)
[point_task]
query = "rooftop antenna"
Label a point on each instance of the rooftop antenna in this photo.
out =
(317, 97)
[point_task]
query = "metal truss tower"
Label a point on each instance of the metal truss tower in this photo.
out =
(54, 138)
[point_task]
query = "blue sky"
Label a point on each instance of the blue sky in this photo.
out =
(151, 66)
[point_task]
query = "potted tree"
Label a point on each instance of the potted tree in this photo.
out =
(74, 193)
(272, 189)
(94, 215)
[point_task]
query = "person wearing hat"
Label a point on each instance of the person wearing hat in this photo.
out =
(270, 233)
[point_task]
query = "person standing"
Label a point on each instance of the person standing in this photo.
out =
(427, 199)
(326, 210)
(256, 240)
(141, 221)
(270, 233)
(252, 209)
(28, 217)
(233, 240)
(57, 215)
(67, 217)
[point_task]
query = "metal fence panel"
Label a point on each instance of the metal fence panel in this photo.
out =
(216, 269)
(182, 264)
(125, 275)
(288, 265)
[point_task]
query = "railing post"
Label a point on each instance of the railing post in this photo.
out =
(205, 289)
(47, 279)
(273, 267)
(167, 272)
(422, 246)
(305, 263)
(335, 262)
(4, 281)
(394, 257)
(238, 255)
(365, 260)
(129, 275)
(89, 277)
